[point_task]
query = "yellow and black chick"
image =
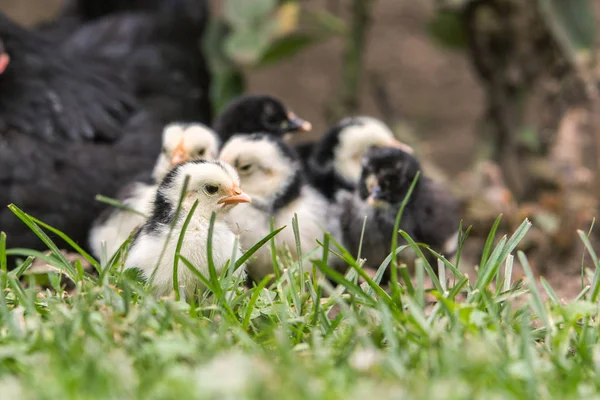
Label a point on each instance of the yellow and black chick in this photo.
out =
(271, 173)
(335, 162)
(430, 217)
(181, 143)
(215, 186)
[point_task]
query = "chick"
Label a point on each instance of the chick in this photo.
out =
(431, 215)
(335, 161)
(185, 142)
(272, 174)
(258, 113)
(215, 185)
(181, 142)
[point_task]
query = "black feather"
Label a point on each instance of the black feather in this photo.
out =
(320, 165)
(84, 115)
(251, 114)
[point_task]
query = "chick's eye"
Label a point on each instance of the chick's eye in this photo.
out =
(201, 152)
(211, 189)
(165, 150)
(245, 168)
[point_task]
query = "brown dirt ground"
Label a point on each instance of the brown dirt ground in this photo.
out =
(433, 88)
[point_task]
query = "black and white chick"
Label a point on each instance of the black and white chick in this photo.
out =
(335, 163)
(271, 173)
(258, 114)
(182, 142)
(216, 187)
(430, 217)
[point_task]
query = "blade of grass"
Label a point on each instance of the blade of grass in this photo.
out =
(186, 223)
(430, 272)
(324, 259)
(386, 262)
(250, 252)
(583, 255)
(3, 260)
(47, 241)
(70, 242)
(487, 248)
(214, 277)
(420, 291)
(442, 274)
(394, 245)
(551, 293)
(462, 238)
(347, 257)
(508, 269)
(595, 287)
(206, 282)
(362, 237)
(536, 298)
(17, 273)
(487, 271)
(296, 229)
(116, 203)
(454, 269)
(252, 303)
(276, 268)
(353, 289)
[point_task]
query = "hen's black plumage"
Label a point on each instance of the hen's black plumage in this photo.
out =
(430, 217)
(84, 115)
(257, 114)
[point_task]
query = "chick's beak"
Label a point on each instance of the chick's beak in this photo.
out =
(296, 123)
(237, 196)
(402, 146)
(374, 196)
(4, 61)
(179, 155)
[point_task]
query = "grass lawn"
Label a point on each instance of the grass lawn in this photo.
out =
(104, 336)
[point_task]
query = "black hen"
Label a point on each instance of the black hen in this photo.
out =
(83, 116)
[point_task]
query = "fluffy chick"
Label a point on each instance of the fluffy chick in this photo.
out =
(258, 113)
(431, 215)
(215, 185)
(181, 143)
(335, 163)
(272, 174)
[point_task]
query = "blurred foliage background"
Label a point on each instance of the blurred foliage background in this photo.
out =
(499, 97)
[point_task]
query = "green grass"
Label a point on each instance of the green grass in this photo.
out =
(484, 337)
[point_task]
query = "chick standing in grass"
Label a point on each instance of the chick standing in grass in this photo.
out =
(258, 113)
(272, 174)
(181, 142)
(335, 160)
(215, 185)
(430, 217)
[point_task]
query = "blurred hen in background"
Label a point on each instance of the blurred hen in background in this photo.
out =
(83, 100)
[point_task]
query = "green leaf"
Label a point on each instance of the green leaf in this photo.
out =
(226, 85)
(576, 19)
(324, 23)
(247, 47)
(447, 28)
(285, 47)
(217, 32)
(244, 14)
